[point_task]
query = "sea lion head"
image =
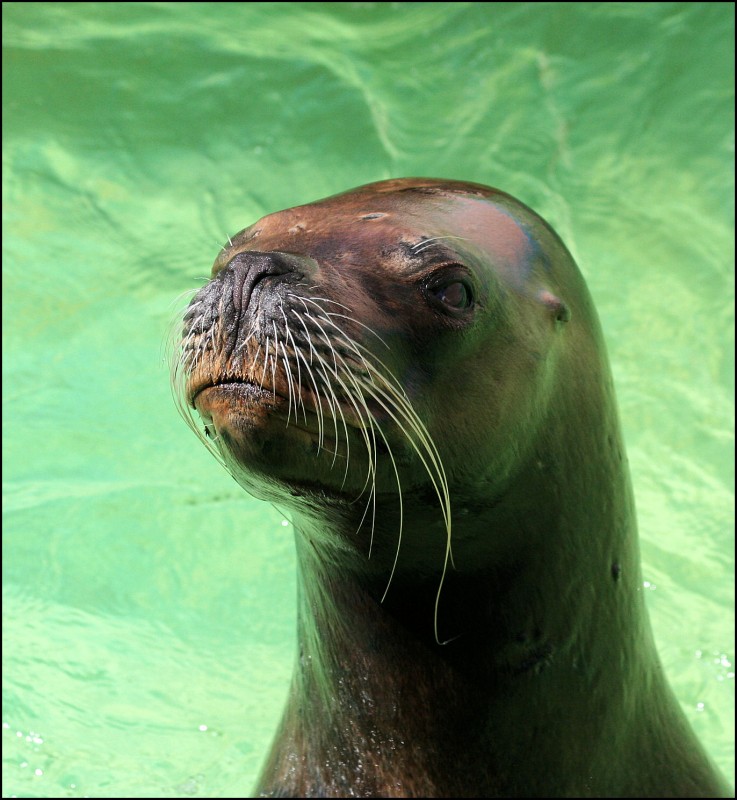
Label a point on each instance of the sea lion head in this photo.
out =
(399, 344)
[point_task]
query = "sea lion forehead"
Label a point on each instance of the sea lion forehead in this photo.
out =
(400, 212)
(464, 216)
(427, 208)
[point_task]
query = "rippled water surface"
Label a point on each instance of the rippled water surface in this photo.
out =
(148, 603)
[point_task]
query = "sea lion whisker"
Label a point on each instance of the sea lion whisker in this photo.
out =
(404, 407)
(177, 352)
(444, 498)
(328, 385)
(288, 368)
(175, 344)
(254, 361)
(186, 413)
(371, 502)
(318, 401)
(335, 355)
(288, 373)
(354, 401)
(266, 363)
(211, 339)
(343, 337)
(244, 343)
(416, 425)
(401, 517)
(328, 314)
(371, 474)
(314, 302)
(301, 318)
(427, 242)
(393, 392)
(330, 399)
(358, 322)
(247, 338)
(369, 436)
(382, 371)
(274, 358)
(346, 340)
(326, 338)
(348, 394)
(185, 293)
(194, 328)
(320, 299)
(366, 430)
(390, 391)
(302, 300)
(312, 318)
(316, 393)
(299, 370)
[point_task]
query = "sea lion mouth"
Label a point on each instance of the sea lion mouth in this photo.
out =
(293, 405)
(247, 387)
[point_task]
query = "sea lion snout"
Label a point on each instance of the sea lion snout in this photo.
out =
(247, 269)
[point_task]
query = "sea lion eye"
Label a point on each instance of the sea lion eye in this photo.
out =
(456, 295)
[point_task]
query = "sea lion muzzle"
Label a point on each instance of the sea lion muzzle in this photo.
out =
(242, 274)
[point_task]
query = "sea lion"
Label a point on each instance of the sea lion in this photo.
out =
(415, 371)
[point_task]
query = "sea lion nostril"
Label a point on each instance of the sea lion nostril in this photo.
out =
(250, 267)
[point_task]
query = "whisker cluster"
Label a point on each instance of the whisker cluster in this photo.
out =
(306, 355)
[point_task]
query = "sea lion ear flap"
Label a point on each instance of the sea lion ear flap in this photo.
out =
(555, 305)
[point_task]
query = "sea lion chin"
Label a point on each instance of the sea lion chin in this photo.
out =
(414, 370)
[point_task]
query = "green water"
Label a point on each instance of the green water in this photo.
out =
(148, 603)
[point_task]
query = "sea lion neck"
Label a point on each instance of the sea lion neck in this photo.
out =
(371, 673)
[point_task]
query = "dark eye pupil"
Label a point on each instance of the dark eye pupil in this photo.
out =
(455, 295)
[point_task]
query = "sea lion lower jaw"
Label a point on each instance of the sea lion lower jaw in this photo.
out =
(415, 372)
